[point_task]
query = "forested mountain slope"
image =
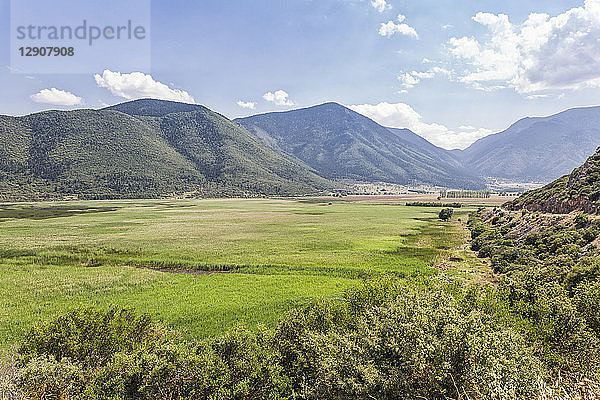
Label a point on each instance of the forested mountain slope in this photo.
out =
(143, 148)
(579, 191)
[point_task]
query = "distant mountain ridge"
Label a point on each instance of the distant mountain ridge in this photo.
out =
(142, 148)
(533, 149)
(155, 148)
(154, 108)
(340, 144)
(536, 149)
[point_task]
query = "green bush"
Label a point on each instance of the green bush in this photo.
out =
(587, 299)
(424, 344)
(46, 378)
(238, 365)
(88, 336)
(446, 214)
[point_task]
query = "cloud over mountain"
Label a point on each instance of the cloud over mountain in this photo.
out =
(137, 85)
(279, 97)
(401, 115)
(246, 104)
(57, 97)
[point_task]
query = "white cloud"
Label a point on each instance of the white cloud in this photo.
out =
(411, 79)
(542, 53)
(407, 80)
(391, 28)
(537, 96)
(56, 97)
(464, 47)
(137, 85)
(440, 70)
(246, 104)
(401, 115)
(423, 75)
(380, 5)
(447, 26)
(280, 98)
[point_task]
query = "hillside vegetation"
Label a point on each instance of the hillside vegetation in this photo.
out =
(549, 284)
(141, 149)
(579, 191)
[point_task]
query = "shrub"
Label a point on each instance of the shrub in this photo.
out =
(581, 220)
(547, 290)
(423, 343)
(166, 371)
(587, 299)
(88, 336)
(46, 378)
(446, 214)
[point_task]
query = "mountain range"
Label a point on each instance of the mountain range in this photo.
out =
(341, 144)
(143, 148)
(155, 148)
(536, 149)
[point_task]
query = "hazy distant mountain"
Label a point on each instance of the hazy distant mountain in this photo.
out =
(427, 147)
(537, 149)
(579, 191)
(342, 144)
(143, 148)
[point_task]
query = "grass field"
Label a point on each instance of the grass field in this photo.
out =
(277, 254)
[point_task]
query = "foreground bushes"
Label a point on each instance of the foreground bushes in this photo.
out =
(387, 339)
(423, 344)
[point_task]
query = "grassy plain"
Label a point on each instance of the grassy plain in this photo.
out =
(274, 254)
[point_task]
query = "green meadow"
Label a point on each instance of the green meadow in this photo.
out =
(156, 255)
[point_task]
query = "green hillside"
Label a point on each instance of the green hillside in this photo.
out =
(579, 191)
(169, 149)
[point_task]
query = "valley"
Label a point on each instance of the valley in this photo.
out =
(268, 254)
(265, 257)
(300, 200)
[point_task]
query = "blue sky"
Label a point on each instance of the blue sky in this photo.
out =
(452, 71)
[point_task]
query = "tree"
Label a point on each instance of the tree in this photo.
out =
(446, 214)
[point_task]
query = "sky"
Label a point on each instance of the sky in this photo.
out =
(451, 71)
